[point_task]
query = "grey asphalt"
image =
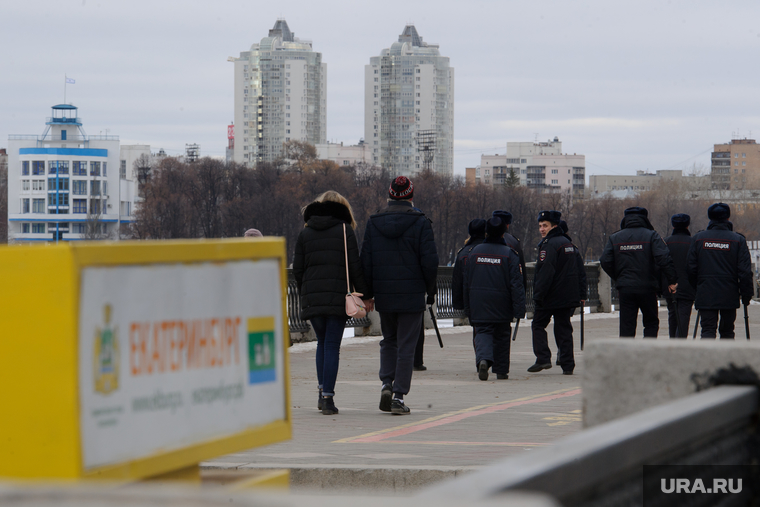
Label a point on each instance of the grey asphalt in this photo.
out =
(457, 422)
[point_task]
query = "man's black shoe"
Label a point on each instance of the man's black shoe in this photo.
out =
(483, 370)
(502, 376)
(538, 367)
(557, 363)
(385, 398)
(398, 407)
(567, 372)
(421, 367)
(328, 406)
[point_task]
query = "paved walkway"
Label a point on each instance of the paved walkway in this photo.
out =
(457, 422)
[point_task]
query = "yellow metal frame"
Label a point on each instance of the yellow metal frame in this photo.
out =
(39, 431)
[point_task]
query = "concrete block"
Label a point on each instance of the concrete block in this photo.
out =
(623, 376)
(605, 291)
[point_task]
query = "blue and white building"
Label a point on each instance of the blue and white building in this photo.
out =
(59, 181)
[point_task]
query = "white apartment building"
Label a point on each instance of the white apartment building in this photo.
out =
(280, 95)
(409, 107)
(539, 165)
(345, 155)
(63, 178)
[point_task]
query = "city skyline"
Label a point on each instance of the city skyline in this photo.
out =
(632, 87)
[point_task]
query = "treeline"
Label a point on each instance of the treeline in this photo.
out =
(213, 199)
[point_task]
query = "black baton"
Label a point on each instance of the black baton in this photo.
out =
(583, 310)
(514, 334)
(696, 325)
(746, 321)
(435, 325)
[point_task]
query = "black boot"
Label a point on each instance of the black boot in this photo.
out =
(328, 406)
(319, 401)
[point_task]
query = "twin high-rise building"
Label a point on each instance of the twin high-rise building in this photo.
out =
(409, 107)
(280, 95)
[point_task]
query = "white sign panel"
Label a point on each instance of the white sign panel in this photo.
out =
(172, 355)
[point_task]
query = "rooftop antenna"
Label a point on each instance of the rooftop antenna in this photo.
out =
(536, 134)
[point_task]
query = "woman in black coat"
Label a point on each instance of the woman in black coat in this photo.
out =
(319, 267)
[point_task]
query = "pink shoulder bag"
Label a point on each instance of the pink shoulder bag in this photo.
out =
(354, 304)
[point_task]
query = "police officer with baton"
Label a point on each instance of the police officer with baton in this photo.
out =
(720, 267)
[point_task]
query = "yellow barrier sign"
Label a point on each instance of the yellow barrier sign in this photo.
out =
(175, 352)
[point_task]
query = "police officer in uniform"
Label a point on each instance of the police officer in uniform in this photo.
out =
(513, 242)
(631, 258)
(680, 303)
(581, 273)
(493, 296)
(558, 288)
(477, 231)
(719, 266)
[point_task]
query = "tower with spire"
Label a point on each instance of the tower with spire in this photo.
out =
(280, 96)
(409, 107)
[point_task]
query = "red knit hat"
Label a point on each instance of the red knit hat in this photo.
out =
(401, 188)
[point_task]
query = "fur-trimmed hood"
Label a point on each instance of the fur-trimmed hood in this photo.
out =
(323, 215)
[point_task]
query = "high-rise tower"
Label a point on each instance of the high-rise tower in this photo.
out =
(280, 95)
(409, 107)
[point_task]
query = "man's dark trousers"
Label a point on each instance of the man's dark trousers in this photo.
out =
(492, 343)
(709, 319)
(683, 307)
(630, 304)
(401, 331)
(563, 335)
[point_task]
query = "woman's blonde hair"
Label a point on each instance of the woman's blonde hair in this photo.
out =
(333, 196)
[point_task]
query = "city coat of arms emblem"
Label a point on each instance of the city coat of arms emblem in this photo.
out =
(106, 355)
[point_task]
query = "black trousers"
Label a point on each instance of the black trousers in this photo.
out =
(563, 335)
(679, 310)
(492, 343)
(630, 304)
(709, 319)
(401, 332)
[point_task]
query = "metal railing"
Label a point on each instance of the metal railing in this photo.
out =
(443, 299)
(604, 465)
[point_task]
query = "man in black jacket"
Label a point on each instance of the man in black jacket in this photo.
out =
(631, 258)
(558, 288)
(680, 303)
(719, 266)
(400, 264)
(493, 296)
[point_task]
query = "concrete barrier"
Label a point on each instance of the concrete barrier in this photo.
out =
(625, 376)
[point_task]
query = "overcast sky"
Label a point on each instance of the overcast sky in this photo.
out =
(631, 85)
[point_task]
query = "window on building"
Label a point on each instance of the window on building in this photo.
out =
(736, 163)
(94, 188)
(744, 163)
(80, 168)
(744, 155)
(38, 205)
(24, 205)
(38, 184)
(63, 184)
(79, 187)
(58, 166)
(123, 170)
(25, 168)
(80, 206)
(38, 228)
(38, 167)
(94, 168)
(25, 228)
(555, 182)
(94, 206)
(63, 200)
(105, 168)
(24, 184)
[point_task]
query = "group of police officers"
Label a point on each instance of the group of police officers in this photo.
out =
(710, 270)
